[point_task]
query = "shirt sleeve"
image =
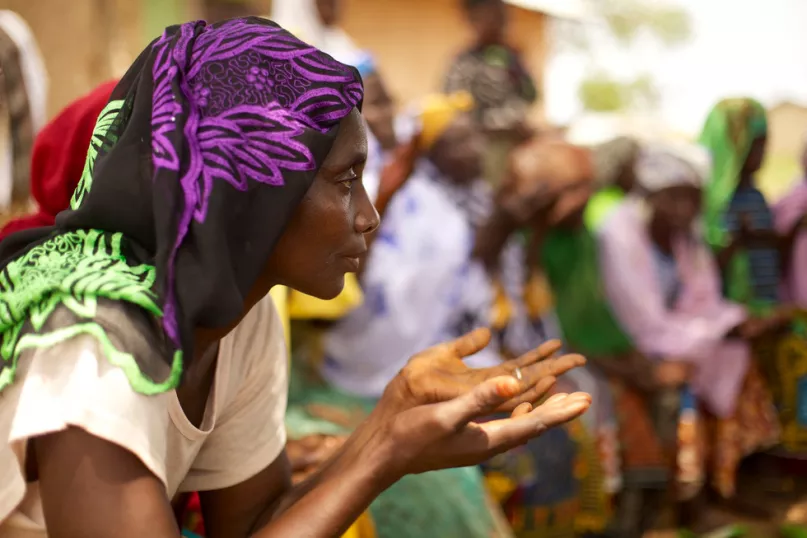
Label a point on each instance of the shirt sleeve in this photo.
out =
(249, 434)
(72, 384)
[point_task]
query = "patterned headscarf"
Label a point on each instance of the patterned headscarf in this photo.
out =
(612, 158)
(197, 162)
(661, 166)
(730, 129)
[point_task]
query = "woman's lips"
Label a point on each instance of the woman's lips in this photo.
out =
(353, 263)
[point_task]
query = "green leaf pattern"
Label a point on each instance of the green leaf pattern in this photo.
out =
(73, 269)
(99, 138)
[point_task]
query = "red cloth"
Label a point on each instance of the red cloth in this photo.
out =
(60, 150)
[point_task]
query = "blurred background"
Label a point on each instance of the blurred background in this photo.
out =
(644, 65)
(649, 70)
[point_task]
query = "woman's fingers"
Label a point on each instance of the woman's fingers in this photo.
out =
(482, 400)
(545, 350)
(470, 343)
(539, 377)
(507, 433)
(554, 367)
(532, 395)
(521, 410)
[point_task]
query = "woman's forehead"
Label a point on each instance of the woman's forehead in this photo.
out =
(350, 145)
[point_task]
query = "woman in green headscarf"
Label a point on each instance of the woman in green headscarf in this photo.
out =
(739, 222)
(740, 226)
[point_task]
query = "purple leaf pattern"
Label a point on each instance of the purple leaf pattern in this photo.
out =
(230, 103)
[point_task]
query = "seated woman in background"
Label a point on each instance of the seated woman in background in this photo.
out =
(663, 286)
(564, 250)
(423, 281)
(752, 255)
(563, 485)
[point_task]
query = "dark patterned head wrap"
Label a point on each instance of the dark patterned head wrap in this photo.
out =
(197, 162)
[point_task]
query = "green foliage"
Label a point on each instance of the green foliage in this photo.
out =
(627, 18)
(602, 93)
(624, 21)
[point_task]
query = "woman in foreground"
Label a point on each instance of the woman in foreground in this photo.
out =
(141, 356)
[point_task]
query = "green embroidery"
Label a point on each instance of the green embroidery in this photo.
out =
(74, 269)
(99, 138)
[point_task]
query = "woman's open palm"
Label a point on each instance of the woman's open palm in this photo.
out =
(439, 374)
(429, 410)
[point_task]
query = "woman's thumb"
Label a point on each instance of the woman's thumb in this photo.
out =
(482, 400)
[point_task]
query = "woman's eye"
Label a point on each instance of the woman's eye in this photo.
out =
(348, 179)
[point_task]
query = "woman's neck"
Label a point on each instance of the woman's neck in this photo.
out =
(661, 235)
(206, 340)
(746, 179)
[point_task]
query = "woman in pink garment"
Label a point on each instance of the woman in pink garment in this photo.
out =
(790, 218)
(663, 285)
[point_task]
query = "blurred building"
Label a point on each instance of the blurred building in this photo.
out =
(85, 42)
(414, 41)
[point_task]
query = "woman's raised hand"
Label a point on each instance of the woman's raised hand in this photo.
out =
(428, 413)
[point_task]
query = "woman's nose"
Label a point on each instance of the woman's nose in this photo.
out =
(367, 217)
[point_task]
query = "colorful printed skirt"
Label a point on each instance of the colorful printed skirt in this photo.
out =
(783, 361)
(671, 437)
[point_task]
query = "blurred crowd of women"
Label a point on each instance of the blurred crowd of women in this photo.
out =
(662, 263)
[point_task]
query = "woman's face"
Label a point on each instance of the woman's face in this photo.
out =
(329, 11)
(489, 21)
(379, 111)
(756, 155)
(325, 237)
(677, 207)
(457, 154)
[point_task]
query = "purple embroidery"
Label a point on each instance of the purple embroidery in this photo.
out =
(242, 94)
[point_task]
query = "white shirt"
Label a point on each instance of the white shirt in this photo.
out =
(73, 384)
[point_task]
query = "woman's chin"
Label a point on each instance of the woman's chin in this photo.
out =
(325, 289)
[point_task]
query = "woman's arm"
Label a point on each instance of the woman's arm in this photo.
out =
(94, 488)
(491, 237)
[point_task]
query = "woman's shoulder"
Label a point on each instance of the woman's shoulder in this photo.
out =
(120, 333)
(623, 221)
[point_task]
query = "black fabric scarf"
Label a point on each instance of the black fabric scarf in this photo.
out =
(207, 145)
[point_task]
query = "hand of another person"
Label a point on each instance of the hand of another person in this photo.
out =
(426, 415)
(397, 171)
(539, 172)
(748, 236)
(754, 328)
(672, 374)
(307, 454)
